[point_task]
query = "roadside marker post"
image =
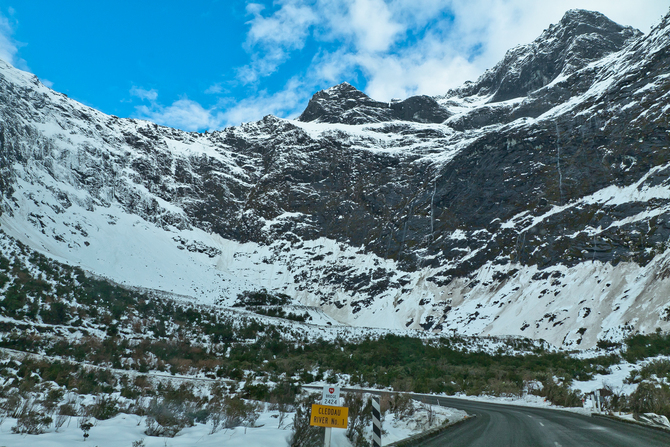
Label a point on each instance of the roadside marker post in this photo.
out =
(376, 422)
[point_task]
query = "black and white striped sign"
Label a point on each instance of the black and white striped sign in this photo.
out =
(376, 423)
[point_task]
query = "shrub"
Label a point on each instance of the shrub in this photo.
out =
(166, 418)
(85, 425)
(641, 346)
(283, 410)
(69, 408)
(360, 416)
(232, 412)
(60, 421)
(650, 397)
(52, 399)
(105, 407)
(401, 405)
(559, 394)
(32, 423)
(303, 434)
(13, 404)
(261, 298)
(31, 420)
(256, 392)
(606, 344)
(658, 368)
(237, 412)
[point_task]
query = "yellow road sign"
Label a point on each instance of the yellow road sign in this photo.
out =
(327, 416)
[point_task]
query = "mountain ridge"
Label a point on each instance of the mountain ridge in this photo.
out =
(581, 37)
(441, 214)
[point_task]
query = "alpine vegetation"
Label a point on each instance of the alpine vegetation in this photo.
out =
(506, 238)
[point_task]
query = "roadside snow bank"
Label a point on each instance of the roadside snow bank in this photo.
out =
(127, 430)
(424, 418)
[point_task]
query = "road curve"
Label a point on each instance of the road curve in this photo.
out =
(515, 426)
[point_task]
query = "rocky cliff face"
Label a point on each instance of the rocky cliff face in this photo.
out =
(348, 105)
(535, 201)
(581, 38)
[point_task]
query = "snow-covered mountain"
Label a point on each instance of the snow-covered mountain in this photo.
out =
(534, 201)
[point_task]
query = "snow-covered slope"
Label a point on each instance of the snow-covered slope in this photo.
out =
(533, 202)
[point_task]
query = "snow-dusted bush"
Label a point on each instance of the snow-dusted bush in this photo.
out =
(303, 434)
(401, 405)
(650, 397)
(235, 412)
(104, 407)
(166, 418)
(360, 417)
(558, 392)
(31, 419)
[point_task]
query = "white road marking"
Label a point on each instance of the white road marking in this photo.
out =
(541, 424)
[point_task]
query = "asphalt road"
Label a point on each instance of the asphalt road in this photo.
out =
(514, 426)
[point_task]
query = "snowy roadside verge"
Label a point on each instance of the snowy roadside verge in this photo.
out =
(426, 421)
(428, 434)
(528, 400)
(410, 423)
(648, 420)
(126, 430)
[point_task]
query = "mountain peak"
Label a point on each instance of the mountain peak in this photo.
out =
(345, 104)
(580, 38)
(342, 89)
(577, 22)
(584, 15)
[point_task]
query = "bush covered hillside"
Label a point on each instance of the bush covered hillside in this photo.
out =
(65, 333)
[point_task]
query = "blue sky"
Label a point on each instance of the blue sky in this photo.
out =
(208, 64)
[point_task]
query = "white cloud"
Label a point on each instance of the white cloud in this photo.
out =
(183, 113)
(455, 40)
(407, 75)
(9, 47)
(287, 27)
(214, 89)
(399, 47)
(287, 103)
(271, 38)
(189, 115)
(372, 25)
(143, 94)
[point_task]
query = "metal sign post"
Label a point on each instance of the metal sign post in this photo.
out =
(326, 441)
(329, 414)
